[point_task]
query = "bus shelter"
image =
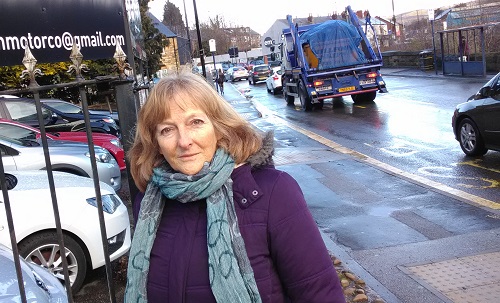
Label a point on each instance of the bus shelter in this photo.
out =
(463, 50)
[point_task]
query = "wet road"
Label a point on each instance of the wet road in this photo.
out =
(408, 128)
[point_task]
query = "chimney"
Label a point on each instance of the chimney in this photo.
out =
(310, 18)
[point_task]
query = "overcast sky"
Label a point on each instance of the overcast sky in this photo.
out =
(259, 15)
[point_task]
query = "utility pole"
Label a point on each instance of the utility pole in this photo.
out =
(200, 46)
(393, 21)
(187, 29)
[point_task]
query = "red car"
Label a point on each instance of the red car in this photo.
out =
(107, 141)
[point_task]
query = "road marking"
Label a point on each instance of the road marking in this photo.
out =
(436, 186)
(475, 163)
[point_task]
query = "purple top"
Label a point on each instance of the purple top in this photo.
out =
(286, 251)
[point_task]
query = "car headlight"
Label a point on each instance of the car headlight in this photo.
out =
(109, 203)
(116, 142)
(109, 120)
(101, 156)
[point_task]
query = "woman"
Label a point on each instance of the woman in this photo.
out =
(220, 80)
(217, 223)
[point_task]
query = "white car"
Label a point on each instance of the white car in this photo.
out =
(273, 82)
(35, 228)
(39, 285)
(236, 73)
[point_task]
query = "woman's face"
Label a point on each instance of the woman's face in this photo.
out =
(187, 139)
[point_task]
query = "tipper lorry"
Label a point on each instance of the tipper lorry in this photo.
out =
(330, 60)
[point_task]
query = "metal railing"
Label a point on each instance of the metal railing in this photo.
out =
(126, 109)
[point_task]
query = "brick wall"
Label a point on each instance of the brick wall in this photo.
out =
(170, 56)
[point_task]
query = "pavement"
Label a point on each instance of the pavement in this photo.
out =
(443, 267)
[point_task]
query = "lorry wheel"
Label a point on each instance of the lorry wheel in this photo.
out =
(305, 100)
(364, 97)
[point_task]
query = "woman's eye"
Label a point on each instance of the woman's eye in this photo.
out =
(197, 122)
(165, 131)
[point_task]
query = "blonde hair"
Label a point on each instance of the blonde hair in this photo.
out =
(186, 89)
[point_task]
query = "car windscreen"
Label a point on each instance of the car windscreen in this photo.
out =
(261, 68)
(64, 107)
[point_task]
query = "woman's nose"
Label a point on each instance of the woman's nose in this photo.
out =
(184, 138)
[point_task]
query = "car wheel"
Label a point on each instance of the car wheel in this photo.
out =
(268, 89)
(470, 138)
(43, 249)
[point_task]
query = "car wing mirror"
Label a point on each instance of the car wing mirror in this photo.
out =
(10, 181)
(485, 91)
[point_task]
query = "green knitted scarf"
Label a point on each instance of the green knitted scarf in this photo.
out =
(230, 273)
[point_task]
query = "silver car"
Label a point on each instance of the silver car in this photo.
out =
(65, 156)
(39, 284)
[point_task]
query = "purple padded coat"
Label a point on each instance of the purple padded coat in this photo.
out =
(286, 251)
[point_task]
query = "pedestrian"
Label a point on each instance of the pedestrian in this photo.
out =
(463, 49)
(217, 222)
(220, 81)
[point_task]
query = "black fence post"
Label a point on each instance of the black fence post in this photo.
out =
(127, 113)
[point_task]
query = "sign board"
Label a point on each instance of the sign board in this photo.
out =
(268, 41)
(49, 29)
(135, 26)
(211, 43)
(233, 52)
(430, 12)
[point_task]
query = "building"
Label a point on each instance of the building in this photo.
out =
(177, 52)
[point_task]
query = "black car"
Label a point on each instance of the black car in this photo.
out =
(259, 73)
(59, 116)
(476, 123)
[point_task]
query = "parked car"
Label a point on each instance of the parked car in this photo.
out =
(57, 115)
(66, 156)
(273, 82)
(35, 229)
(39, 285)
(112, 114)
(259, 73)
(476, 123)
(14, 130)
(236, 73)
(72, 112)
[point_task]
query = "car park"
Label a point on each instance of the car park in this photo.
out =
(273, 82)
(35, 229)
(72, 157)
(58, 115)
(259, 73)
(236, 73)
(39, 285)
(14, 130)
(476, 123)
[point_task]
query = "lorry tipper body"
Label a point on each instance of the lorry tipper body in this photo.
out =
(330, 60)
